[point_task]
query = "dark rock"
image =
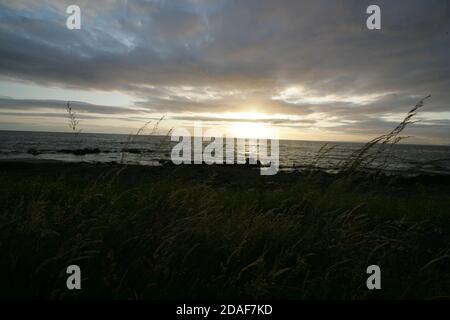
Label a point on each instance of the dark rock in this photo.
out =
(81, 152)
(132, 150)
(33, 151)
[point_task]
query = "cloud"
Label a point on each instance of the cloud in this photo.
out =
(34, 104)
(277, 57)
(273, 121)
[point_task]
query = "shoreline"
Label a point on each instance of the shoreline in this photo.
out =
(249, 171)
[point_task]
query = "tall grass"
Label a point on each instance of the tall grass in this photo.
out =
(132, 137)
(218, 232)
(72, 118)
(363, 157)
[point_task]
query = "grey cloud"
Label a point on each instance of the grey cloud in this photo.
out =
(32, 104)
(436, 129)
(283, 122)
(259, 43)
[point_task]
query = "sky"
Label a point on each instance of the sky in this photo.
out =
(310, 70)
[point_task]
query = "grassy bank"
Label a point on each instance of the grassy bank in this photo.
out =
(219, 232)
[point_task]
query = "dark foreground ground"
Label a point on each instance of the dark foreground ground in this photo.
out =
(219, 232)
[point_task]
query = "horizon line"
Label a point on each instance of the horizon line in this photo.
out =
(159, 135)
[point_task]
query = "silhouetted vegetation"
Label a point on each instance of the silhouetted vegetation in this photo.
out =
(215, 232)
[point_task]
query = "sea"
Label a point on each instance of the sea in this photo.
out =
(156, 150)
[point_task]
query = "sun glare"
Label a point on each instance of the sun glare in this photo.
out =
(244, 115)
(251, 130)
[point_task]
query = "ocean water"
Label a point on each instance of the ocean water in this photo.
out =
(154, 150)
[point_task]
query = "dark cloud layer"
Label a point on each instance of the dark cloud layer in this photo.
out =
(58, 105)
(223, 56)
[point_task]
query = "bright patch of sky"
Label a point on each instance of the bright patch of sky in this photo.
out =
(22, 90)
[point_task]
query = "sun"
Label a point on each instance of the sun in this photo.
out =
(250, 130)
